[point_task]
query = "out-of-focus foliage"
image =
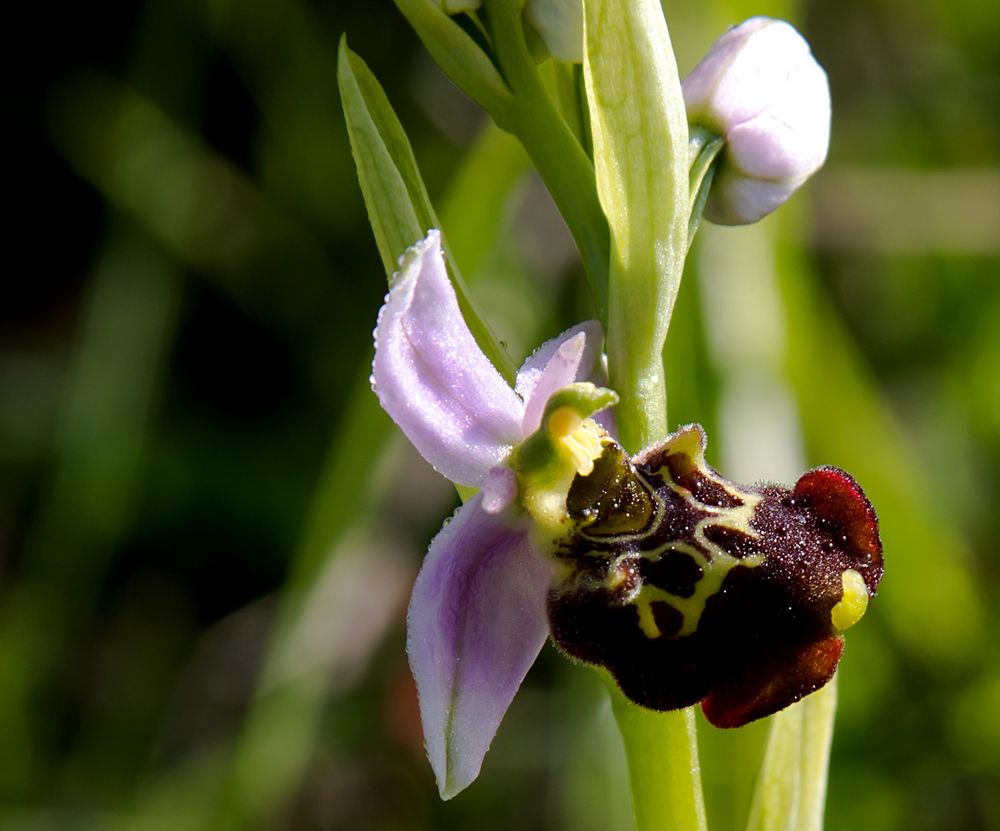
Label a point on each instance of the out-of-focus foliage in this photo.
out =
(207, 530)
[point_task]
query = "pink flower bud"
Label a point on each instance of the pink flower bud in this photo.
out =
(761, 89)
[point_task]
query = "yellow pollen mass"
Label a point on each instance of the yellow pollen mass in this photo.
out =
(563, 421)
(577, 443)
(851, 607)
(579, 437)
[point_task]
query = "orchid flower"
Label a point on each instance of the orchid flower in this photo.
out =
(682, 585)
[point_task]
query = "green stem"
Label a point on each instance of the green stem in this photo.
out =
(559, 158)
(662, 754)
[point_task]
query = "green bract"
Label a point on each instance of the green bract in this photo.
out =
(399, 208)
(641, 162)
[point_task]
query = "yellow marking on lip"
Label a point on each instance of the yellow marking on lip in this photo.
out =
(616, 577)
(852, 604)
(714, 561)
(715, 567)
(646, 621)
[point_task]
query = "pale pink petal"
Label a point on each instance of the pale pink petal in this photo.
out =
(575, 355)
(476, 622)
(499, 489)
(737, 200)
(433, 379)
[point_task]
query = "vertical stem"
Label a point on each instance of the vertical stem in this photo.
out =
(662, 754)
(779, 783)
(560, 159)
(642, 167)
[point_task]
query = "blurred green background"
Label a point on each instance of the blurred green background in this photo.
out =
(208, 530)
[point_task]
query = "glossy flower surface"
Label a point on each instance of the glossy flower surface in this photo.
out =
(761, 89)
(684, 586)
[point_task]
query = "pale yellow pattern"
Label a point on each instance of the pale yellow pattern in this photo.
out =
(852, 605)
(715, 565)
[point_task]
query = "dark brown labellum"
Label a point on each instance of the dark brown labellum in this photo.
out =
(688, 587)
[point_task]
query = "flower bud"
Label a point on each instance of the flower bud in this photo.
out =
(760, 88)
(559, 23)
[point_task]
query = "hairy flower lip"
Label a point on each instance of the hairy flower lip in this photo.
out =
(713, 591)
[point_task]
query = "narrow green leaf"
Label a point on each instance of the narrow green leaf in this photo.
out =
(775, 804)
(705, 149)
(399, 214)
(641, 163)
(399, 209)
(791, 789)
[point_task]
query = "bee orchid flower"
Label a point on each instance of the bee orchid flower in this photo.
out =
(682, 585)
